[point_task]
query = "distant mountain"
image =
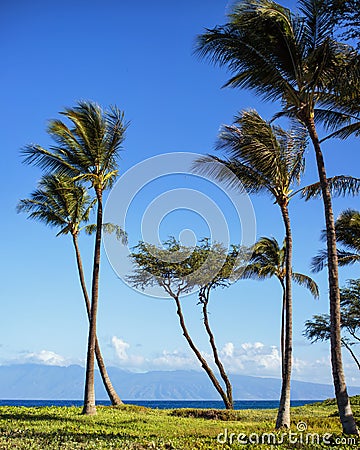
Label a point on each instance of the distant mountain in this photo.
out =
(35, 381)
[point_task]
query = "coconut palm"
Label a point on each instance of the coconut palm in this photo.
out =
(269, 260)
(294, 59)
(266, 159)
(347, 228)
(87, 151)
(65, 204)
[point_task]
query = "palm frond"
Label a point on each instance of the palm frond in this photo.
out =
(345, 258)
(318, 23)
(339, 186)
(87, 150)
(345, 132)
(59, 202)
(319, 261)
(307, 282)
(243, 46)
(220, 170)
(109, 228)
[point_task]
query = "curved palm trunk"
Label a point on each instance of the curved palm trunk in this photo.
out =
(89, 395)
(283, 416)
(216, 354)
(203, 362)
(113, 396)
(342, 398)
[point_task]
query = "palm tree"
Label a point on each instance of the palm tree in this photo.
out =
(347, 228)
(63, 203)
(294, 59)
(269, 260)
(87, 151)
(266, 159)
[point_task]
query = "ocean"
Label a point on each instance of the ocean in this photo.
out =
(161, 404)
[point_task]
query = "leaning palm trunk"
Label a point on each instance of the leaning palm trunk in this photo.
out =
(113, 396)
(199, 356)
(89, 395)
(283, 417)
(342, 398)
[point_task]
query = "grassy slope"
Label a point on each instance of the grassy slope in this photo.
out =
(132, 427)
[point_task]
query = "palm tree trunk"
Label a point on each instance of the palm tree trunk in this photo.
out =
(199, 356)
(283, 416)
(216, 354)
(347, 346)
(89, 395)
(342, 398)
(282, 333)
(113, 396)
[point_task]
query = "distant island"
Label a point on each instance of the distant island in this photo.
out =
(36, 381)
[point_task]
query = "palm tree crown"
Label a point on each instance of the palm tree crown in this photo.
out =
(88, 150)
(287, 57)
(268, 260)
(263, 157)
(59, 202)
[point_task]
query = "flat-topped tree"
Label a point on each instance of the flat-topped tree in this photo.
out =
(179, 270)
(63, 203)
(88, 150)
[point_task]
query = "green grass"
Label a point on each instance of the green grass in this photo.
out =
(133, 427)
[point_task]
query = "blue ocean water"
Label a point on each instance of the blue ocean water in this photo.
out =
(161, 404)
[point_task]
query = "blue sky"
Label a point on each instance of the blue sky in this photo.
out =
(139, 56)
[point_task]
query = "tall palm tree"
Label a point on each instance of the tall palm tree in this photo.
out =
(266, 159)
(87, 151)
(63, 203)
(269, 260)
(347, 228)
(294, 59)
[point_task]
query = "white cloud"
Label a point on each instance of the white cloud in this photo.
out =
(120, 348)
(251, 358)
(46, 357)
(247, 358)
(174, 360)
(125, 360)
(228, 349)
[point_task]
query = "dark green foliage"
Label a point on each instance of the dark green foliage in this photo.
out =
(318, 328)
(210, 414)
(179, 269)
(347, 228)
